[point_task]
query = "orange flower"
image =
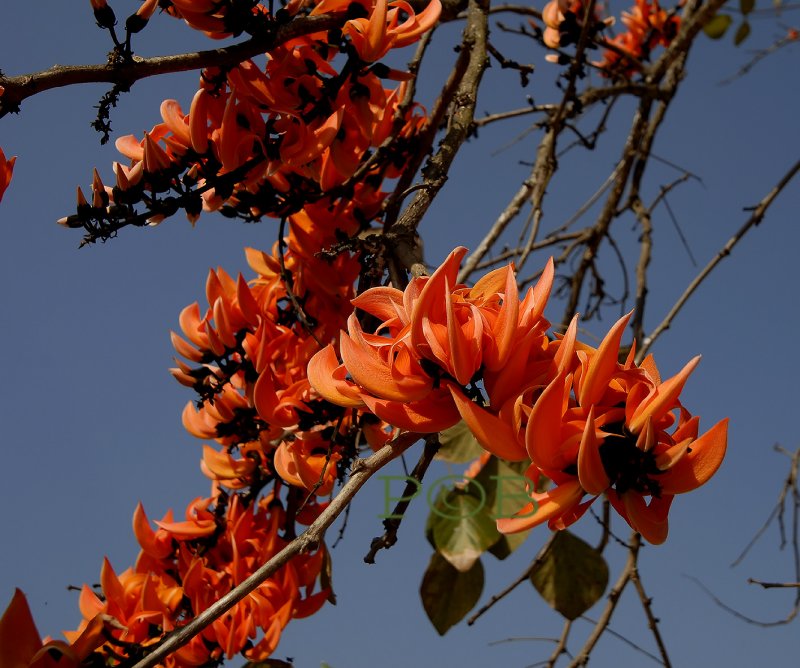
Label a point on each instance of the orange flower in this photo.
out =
(374, 35)
(6, 172)
(605, 428)
(435, 341)
(21, 646)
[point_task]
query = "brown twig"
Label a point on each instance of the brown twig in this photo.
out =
(652, 622)
(582, 658)
(759, 211)
(525, 575)
(362, 470)
(392, 524)
(19, 88)
(407, 248)
(773, 585)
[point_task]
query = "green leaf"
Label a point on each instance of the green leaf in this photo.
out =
(268, 663)
(457, 445)
(448, 594)
(746, 6)
(460, 528)
(505, 486)
(572, 576)
(742, 33)
(717, 26)
(508, 543)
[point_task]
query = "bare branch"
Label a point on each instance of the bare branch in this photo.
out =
(759, 211)
(21, 87)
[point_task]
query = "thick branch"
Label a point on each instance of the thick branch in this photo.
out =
(21, 87)
(460, 120)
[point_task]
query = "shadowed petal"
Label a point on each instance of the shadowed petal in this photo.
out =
(19, 639)
(591, 473)
(652, 521)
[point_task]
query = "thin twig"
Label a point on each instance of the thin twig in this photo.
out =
(392, 524)
(759, 211)
(362, 470)
(625, 576)
(526, 574)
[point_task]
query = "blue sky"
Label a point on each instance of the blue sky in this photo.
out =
(91, 418)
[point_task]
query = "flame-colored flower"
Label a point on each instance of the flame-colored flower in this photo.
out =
(611, 428)
(435, 339)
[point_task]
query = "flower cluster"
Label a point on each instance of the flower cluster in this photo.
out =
(307, 136)
(647, 26)
(184, 566)
(588, 422)
(267, 139)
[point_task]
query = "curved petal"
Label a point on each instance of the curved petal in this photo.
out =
(548, 505)
(328, 378)
(663, 397)
(436, 412)
(492, 433)
(543, 433)
(374, 374)
(651, 520)
(445, 275)
(602, 365)
(532, 307)
(591, 473)
(695, 468)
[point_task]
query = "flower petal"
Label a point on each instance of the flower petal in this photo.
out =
(662, 398)
(550, 504)
(696, 467)
(591, 473)
(602, 365)
(492, 433)
(651, 520)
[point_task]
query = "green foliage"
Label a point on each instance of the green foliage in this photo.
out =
(718, 26)
(746, 6)
(572, 575)
(457, 445)
(449, 594)
(742, 33)
(460, 527)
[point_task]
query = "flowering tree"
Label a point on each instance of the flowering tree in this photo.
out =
(342, 350)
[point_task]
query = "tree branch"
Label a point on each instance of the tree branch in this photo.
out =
(362, 470)
(19, 88)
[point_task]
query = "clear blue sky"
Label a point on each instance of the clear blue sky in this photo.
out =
(91, 419)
